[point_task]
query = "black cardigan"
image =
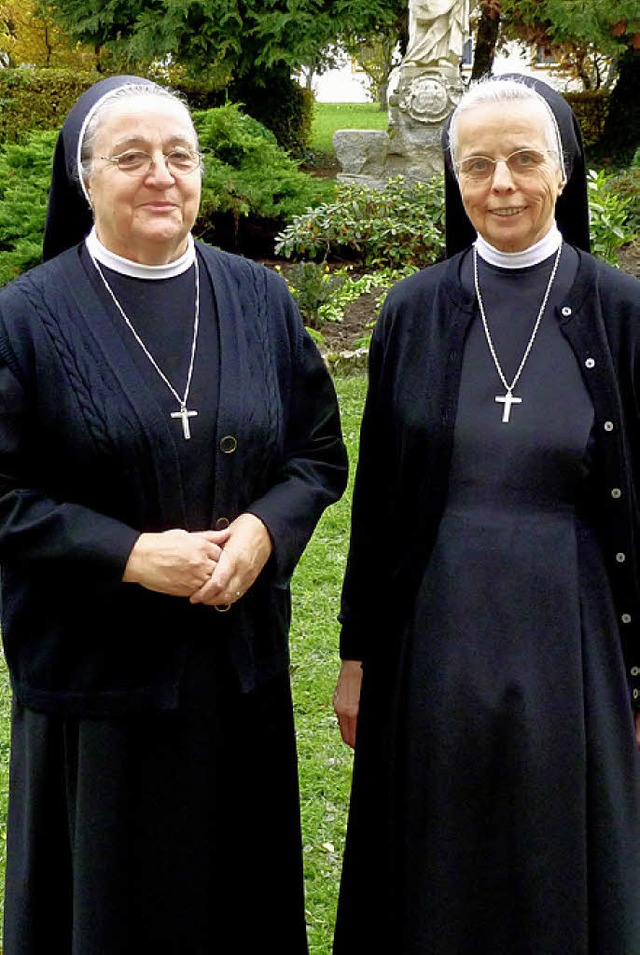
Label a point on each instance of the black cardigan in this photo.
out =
(407, 439)
(88, 461)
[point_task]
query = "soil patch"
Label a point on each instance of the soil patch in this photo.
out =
(629, 258)
(361, 314)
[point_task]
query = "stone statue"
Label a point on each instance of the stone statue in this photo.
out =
(438, 30)
(429, 87)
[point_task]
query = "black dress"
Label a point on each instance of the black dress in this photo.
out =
(504, 820)
(174, 832)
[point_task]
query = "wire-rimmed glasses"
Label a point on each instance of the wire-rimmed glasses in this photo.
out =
(180, 161)
(521, 163)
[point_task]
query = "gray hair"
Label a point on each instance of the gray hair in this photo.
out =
(96, 116)
(495, 91)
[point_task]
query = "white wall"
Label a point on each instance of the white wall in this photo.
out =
(344, 85)
(515, 60)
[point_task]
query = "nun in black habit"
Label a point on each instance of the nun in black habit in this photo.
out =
(490, 688)
(169, 437)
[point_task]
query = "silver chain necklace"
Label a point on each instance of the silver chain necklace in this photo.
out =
(184, 413)
(509, 399)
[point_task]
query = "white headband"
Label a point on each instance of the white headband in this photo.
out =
(83, 132)
(85, 125)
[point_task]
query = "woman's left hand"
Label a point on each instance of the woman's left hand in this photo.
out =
(243, 556)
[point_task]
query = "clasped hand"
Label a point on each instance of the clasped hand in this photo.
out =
(209, 567)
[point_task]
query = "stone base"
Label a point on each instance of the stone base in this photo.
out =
(362, 152)
(418, 111)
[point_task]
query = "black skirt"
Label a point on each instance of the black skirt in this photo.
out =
(176, 832)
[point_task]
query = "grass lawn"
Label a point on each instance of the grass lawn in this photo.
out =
(327, 117)
(325, 763)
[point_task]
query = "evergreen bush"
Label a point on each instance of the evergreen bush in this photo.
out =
(25, 173)
(282, 106)
(247, 173)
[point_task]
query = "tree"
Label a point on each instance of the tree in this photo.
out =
(31, 37)
(586, 30)
(329, 59)
(376, 55)
(248, 47)
(487, 35)
(221, 39)
(380, 49)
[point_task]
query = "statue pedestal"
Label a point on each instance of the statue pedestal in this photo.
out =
(419, 107)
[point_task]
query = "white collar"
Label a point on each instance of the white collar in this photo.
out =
(542, 250)
(137, 270)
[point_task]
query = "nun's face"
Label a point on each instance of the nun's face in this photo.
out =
(511, 210)
(143, 218)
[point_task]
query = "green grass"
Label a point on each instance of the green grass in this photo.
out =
(325, 762)
(328, 117)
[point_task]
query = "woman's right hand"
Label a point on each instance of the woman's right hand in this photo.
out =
(346, 699)
(174, 562)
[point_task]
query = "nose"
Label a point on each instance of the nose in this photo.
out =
(502, 177)
(159, 172)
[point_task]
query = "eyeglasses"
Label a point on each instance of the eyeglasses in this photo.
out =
(134, 162)
(521, 163)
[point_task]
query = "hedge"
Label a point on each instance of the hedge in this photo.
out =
(590, 107)
(33, 99)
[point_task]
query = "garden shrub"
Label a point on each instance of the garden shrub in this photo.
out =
(609, 213)
(247, 173)
(626, 186)
(399, 224)
(25, 173)
(313, 286)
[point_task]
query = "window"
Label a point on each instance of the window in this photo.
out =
(545, 56)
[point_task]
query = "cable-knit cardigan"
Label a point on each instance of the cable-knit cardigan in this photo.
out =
(407, 439)
(88, 462)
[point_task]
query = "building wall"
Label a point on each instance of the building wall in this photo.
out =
(350, 85)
